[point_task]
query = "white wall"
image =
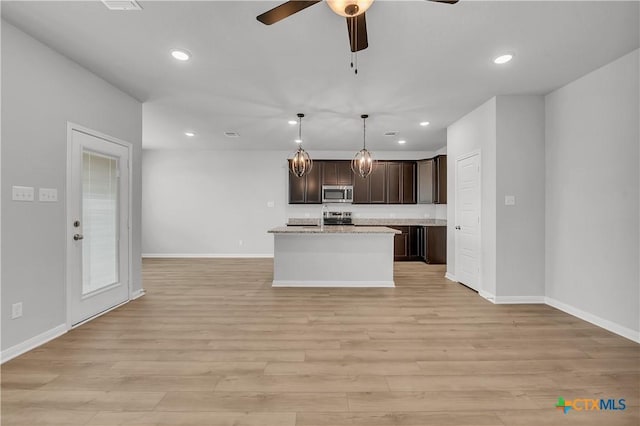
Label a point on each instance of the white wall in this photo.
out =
(592, 193)
(475, 131)
(520, 172)
(41, 91)
(206, 202)
(509, 133)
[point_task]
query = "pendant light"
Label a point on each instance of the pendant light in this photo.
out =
(301, 163)
(362, 163)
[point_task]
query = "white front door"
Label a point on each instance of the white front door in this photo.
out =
(467, 226)
(98, 230)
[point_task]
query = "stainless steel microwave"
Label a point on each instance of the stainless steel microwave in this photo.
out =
(337, 194)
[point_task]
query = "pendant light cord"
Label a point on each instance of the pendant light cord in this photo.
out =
(353, 26)
(364, 132)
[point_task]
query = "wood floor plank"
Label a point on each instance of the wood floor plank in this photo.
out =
(253, 401)
(286, 383)
(164, 418)
(82, 400)
(398, 419)
(212, 343)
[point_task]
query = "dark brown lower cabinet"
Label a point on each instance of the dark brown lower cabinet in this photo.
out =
(432, 244)
(405, 245)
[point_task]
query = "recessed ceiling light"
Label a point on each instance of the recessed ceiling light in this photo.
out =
(181, 55)
(298, 141)
(402, 141)
(292, 122)
(503, 59)
(190, 134)
(424, 123)
(121, 4)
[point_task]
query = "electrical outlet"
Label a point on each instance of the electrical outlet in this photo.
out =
(22, 193)
(509, 200)
(48, 195)
(270, 204)
(16, 310)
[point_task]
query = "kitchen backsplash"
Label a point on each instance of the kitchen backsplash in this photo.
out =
(412, 211)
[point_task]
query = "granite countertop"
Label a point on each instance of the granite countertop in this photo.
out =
(333, 229)
(309, 221)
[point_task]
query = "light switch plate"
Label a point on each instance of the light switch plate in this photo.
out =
(509, 200)
(48, 195)
(22, 193)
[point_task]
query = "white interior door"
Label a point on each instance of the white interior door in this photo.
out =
(467, 227)
(98, 237)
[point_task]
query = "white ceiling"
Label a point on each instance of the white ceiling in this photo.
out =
(425, 61)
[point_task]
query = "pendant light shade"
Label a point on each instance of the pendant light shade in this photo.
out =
(362, 163)
(301, 163)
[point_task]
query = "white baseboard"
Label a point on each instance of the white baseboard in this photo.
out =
(515, 300)
(489, 296)
(137, 293)
(361, 284)
(32, 343)
(450, 277)
(205, 255)
(595, 320)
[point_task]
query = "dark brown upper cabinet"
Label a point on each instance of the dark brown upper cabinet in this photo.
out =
(390, 182)
(378, 183)
(409, 182)
(401, 177)
(373, 188)
(336, 172)
(306, 189)
(432, 180)
(394, 182)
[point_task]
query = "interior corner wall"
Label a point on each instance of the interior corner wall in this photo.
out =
(520, 172)
(592, 195)
(475, 132)
(41, 92)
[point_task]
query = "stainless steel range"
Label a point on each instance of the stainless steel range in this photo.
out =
(337, 218)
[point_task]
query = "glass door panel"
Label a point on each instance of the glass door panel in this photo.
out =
(100, 216)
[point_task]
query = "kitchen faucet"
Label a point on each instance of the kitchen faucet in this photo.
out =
(324, 208)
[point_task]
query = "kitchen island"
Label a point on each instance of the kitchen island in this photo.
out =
(333, 256)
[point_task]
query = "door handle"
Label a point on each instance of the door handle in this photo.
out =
(77, 237)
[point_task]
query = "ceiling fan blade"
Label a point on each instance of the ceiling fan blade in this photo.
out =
(357, 26)
(285, 10)
(445, 1)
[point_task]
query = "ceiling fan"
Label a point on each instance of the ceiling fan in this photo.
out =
(353, 10)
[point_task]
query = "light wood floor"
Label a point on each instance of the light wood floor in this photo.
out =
(213, 344)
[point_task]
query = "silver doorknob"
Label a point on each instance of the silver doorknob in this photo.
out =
(77, 237)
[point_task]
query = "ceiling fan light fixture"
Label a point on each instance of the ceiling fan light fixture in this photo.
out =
(349, 8)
